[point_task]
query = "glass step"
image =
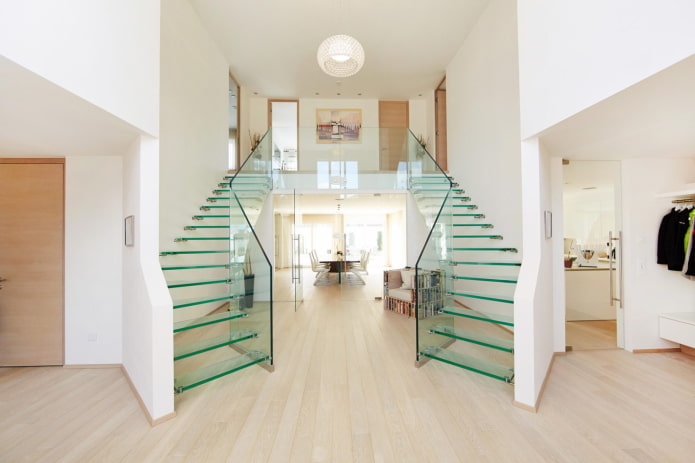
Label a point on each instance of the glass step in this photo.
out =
(507, 320)
(492, 237)
(181, 303)
(197, 227)
(506, 263)
(485, 249)
(205, 345)
(477, 365)
(207, 208)
(484, 297)
(191, 267)
(493, 342)
(182, 284)
(468, 206)
(214, 216)
(494, 279)
(473, 214)
(217, 370)
(174, 253)
(203, 238)
(208, 320)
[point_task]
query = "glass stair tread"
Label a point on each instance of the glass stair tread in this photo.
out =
(482, 225)
(492, 237)
(468, 206)
(181, 284)
(207, 208)
(477, 365)
(485, 249)
(486, 297)
(494, 279)
(506, 345)
(507, 320)
(196, 227)
(208, 320)
(503, 263)
(206, 345)
(191, 267)
(217, 370)
(181, 303)
(174, 253)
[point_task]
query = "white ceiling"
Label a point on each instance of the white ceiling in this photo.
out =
(655, 117)
(271, 44)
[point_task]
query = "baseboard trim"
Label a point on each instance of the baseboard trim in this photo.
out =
(522, 406)
(534, 408)
(688, 350)
(152, 421)
(95, 365)
(656, 351)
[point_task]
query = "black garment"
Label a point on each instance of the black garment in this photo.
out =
(671, 242)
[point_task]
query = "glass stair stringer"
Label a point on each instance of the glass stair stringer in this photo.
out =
(220, 281)
(473, 325)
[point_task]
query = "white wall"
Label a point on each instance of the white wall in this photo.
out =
(650, 289)
(575, 54)
(147, 307)
(533, 299)
(367, 151)
(421, 115)
(93, 242)
(104, 51)
(194, 117)
(483, 119)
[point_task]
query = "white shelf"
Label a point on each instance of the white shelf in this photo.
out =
(678, 327)
(687, 190)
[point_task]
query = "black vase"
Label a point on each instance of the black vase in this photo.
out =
(247, 300)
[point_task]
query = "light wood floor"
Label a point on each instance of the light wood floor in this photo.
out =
(591, 334)
(345, 390)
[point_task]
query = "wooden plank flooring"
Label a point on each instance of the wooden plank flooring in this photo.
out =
(345, 390)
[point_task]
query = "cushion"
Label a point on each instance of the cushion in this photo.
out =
(394, 279)
(407, 277)
(402, 294)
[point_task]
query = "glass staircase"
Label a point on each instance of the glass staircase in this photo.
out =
(221, 280)
(473, 326)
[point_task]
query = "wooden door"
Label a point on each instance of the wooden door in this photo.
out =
(393, 116)
(31, 261)
(440, 123)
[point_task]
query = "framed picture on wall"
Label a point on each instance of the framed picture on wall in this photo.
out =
(338, 126)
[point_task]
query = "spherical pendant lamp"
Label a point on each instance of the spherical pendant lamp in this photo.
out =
(340, 56)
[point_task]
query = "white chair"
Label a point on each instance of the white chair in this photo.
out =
(320, 269)
(361, 266)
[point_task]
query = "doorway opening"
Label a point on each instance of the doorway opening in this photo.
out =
(283, 118)
(591, 203)
(340, 231)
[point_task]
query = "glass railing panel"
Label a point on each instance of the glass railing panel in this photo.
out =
(371, 159)
(250, 270)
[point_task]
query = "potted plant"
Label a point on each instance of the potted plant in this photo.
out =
(569, 260)
(247, 300)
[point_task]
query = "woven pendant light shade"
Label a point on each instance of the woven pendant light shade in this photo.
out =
(340, 56)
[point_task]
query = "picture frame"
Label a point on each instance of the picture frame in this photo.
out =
(129, 231)
(338, 125)
(548, 217)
